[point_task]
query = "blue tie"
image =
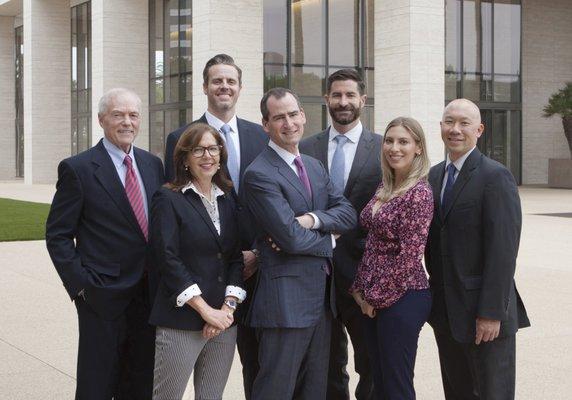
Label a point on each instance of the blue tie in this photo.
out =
(232, 162)
(448, 192)
(338, 167)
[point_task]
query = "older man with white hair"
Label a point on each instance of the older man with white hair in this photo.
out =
(97, 234)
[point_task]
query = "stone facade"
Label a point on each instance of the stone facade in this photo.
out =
(7, 100)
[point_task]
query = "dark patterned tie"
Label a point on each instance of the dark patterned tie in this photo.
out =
(303, 175)
(134, 195)
(448, 192)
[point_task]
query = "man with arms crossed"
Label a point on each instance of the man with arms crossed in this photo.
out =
(471, 260)
(222, 83)
(352, 155)
(298, 210)
(97, 234)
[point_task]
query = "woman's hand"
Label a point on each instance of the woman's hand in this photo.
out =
(217, 318)
(366, 308)
(210, 331)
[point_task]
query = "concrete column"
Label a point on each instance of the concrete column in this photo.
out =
(47, 84)
(546, 67)
(409, 65)
(120, 56)
(7, 100)
(235, 28)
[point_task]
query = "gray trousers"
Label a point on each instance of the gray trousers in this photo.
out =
(179, 352)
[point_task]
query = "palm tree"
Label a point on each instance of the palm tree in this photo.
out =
(560, 103)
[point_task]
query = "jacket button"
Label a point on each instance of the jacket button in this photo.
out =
(219, 278)
(219, 256)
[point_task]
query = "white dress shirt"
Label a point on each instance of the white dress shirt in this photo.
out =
(458, 165)
(117, 156)
(217, 124)
(349, 148)
(212, 209)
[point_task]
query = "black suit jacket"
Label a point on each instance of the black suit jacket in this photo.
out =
(291, 285)
(190, 251)
(363, 180)
(252, 139)
(472, 249)
(92, 234)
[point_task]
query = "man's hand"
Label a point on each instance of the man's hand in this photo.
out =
(306, 221)
(487, 330)
(274, 245)
(250, 264)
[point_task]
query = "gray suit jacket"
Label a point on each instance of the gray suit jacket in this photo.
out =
(363, 180)
(472, 249)
(290, 291)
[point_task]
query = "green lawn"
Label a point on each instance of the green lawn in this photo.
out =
(22, 220)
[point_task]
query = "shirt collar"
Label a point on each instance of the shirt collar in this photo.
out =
(460, 161)
(353, 134)
(215, 190)
(117, 155)
(284, 154)
(217, 123)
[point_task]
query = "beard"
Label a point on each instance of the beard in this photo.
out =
(354, 113)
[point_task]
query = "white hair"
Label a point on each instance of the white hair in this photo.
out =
(112, 94)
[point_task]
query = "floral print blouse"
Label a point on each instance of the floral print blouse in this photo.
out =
(394, 247)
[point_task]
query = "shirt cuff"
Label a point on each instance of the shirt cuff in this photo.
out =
(237, 292)
(333, 241)
(188, 294)
(317, 222)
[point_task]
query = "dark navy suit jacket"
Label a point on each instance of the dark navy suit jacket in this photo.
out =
(291, 285)
(92, 234)
(363, 180)
(190, 251)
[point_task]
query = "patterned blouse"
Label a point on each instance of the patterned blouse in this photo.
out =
(394, 247)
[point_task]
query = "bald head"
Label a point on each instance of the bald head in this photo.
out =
(461, 127)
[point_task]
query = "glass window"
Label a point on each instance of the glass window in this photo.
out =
(304, 41)
(170, 69)
(19, 69)
(507, 50)
(81, 77)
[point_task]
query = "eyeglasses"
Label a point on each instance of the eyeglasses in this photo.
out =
(199, 152)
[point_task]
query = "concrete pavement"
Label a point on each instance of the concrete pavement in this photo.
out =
(38, 328)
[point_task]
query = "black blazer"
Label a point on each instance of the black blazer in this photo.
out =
(472, 249)
(189, 251)
(252, 138)
(291, 283)
(363, 180)
(92, 234)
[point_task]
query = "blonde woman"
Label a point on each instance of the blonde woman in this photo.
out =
(390, 285)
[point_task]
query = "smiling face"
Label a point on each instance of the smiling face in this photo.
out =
(400, 149)
(345, 102)
(121, 120)
(205, 167)
(461, 127)
(285, 124)
(222, 89)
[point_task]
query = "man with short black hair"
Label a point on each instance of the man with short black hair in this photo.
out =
(352, 154)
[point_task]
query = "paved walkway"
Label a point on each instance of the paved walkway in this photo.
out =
(38, 326)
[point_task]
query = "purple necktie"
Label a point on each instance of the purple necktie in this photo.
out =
(134, 195)
(303, 175)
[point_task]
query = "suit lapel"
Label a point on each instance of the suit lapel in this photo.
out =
(361, 157)
(321, 147)
(243, 145)
(196, 202)
(288, 174)
(106, 174)
(146, 173)
(466, 173)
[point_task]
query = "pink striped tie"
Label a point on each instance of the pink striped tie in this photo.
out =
(133, 192)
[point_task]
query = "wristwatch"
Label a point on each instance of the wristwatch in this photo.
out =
(231, 304)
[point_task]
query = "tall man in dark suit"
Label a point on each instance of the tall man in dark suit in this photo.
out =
(352, 155)
(222, 83)
(298, 211)
(96, 234)
(471, 260)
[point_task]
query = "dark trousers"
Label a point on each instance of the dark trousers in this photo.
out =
(116, 358)
(293, 362)
(392, 343)
(247, 345)
(471, 372)
(350, 317)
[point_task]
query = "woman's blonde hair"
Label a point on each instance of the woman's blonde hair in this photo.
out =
(419, 168)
